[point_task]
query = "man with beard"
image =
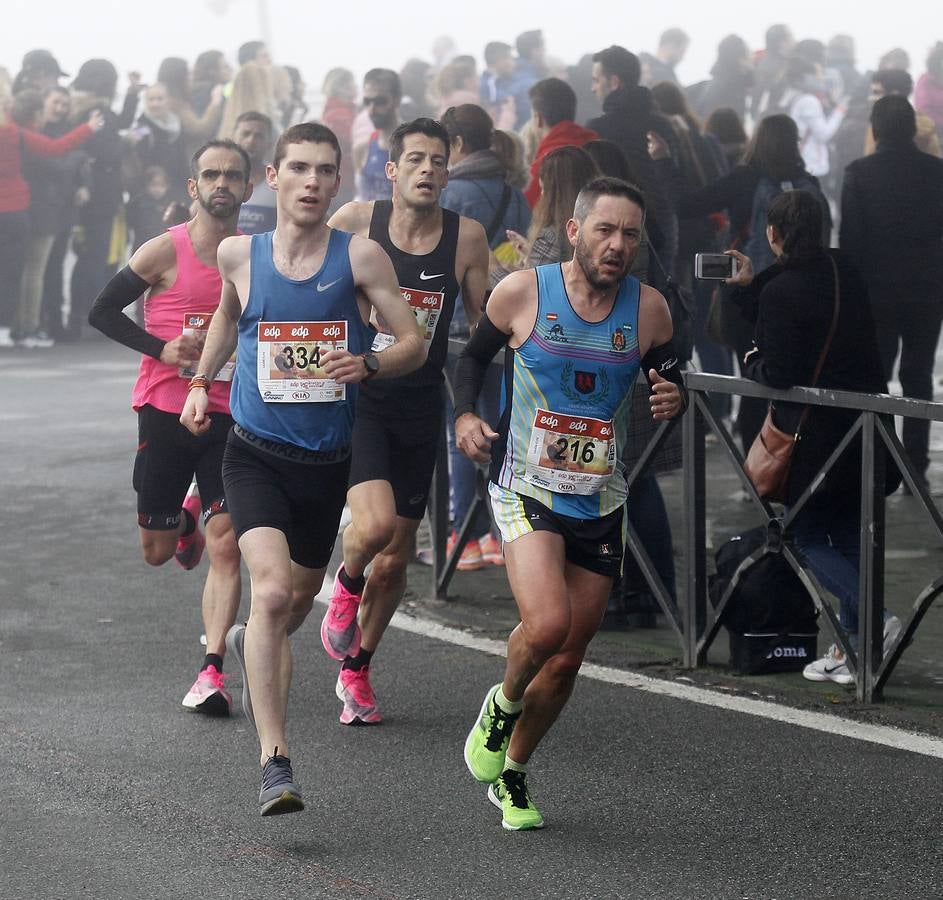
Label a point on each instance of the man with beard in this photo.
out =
(177, 272)
(382, 94)
(576, 333)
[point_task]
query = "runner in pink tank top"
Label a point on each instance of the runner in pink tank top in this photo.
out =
(177, 272)
(185, 308)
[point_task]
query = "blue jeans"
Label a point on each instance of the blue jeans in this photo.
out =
(646, 511)
(827, 536)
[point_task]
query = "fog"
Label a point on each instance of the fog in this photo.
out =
(317, 36)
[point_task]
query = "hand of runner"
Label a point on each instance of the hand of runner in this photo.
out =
(473, 436)
(666, 397)
(343, 366)
(194, 417)
(184, 350)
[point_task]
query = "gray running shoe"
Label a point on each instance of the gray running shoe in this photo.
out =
(279, 794)
(235, 644)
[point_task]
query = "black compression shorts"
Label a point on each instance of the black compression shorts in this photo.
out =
(168, 457)
(593, 544)
(402, 451)
(302, 500)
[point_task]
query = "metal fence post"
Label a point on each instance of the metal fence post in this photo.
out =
(695, 528)
(871, 571)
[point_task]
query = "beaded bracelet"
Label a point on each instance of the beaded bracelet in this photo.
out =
(199, 381)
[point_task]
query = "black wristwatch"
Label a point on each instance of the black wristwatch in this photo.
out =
(371, 364)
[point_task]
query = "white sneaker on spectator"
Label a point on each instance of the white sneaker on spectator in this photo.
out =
(892, 627)
(831, 667)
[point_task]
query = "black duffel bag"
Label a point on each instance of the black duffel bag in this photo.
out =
(770, 615)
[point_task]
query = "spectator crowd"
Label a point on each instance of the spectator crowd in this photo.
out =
(87, 176)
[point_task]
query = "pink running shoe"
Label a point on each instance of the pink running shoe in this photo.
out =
(208, 696)
(360, 703)
(340, 631)
(491, 550)
(190, 548)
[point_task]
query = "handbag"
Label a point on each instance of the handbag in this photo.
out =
(770, 456)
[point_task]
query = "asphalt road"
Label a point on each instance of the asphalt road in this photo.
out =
(114, 791)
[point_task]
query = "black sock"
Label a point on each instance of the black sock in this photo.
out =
(189, 523)
(212, 659)
(360, 661)
(354, 585)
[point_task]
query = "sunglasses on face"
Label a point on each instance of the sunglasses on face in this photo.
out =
(376, 101)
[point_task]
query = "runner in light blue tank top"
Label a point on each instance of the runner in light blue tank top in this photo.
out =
(574, 336)
(567, 396)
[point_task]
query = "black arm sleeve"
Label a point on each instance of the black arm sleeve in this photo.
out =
(473, 364)
(106, 314)
(664, 360)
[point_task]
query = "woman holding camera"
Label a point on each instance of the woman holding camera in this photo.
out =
(793, 303)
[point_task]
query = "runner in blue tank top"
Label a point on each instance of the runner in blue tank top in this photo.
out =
(576, 334)
(295, 306)
(438, 256)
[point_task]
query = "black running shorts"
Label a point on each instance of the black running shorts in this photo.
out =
(302, 500)
(594, 544)
(402, 451)
(167, 459)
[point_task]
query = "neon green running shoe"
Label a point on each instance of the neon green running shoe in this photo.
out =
(509, 793)
(487, 742)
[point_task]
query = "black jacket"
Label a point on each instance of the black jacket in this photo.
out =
(892, 223)
(793, 304)
(628, 115)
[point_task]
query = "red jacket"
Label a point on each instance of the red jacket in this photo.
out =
(14, 191)
(563, 134)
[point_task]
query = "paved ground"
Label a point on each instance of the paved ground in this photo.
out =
(113, 791)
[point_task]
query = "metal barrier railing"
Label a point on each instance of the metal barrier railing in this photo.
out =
(694, 621)
(870, 667)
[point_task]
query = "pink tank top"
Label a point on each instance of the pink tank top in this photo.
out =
(188, 305)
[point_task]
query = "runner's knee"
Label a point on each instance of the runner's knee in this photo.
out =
(374, 532)
(223, 549)
(158, 547)
(545, 638)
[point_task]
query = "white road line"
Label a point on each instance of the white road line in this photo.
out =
(896, 738)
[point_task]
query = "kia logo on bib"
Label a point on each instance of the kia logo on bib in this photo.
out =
(300, 395)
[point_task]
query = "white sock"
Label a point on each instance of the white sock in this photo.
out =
(505, 705)
(514, 766)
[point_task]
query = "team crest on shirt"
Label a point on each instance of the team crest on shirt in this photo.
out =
(584, 387)
(618, 340)
(585, 382)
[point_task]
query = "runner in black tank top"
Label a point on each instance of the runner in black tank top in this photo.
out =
(436, 254)
(429, 285)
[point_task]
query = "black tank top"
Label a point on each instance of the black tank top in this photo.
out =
(429, 285)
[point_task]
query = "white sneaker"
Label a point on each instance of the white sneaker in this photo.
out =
(831, 667)
(892, 627)
(6, 339)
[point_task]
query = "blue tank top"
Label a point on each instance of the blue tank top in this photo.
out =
(374, 185)
(566, 402)
(279, 391)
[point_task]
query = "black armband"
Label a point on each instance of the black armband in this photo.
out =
(473, 364)
(107, 316)
(664, 360)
